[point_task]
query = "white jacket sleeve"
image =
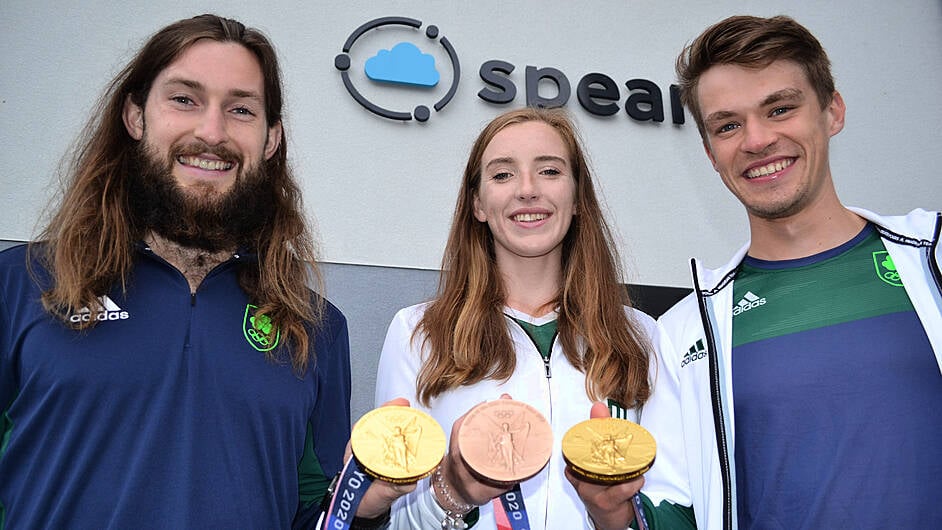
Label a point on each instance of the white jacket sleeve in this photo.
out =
(400, 360)
(399, 365)
(661, 415)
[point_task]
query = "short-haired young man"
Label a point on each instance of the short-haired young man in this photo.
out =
(809, 365)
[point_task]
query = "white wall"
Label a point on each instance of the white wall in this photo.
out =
(382, 191)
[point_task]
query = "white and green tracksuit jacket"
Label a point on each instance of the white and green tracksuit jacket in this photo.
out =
(701, 330)
(557, 390)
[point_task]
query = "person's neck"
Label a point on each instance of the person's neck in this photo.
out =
(809, 232)
(193, 263)
(531, 285)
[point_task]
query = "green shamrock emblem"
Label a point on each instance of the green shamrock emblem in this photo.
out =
(886, 269)
(259, 330)
(262, 323)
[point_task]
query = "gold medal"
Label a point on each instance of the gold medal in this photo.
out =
(505, 441)
(398, 444)
(609, 450)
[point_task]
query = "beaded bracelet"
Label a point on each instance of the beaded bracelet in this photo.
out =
(454, 510)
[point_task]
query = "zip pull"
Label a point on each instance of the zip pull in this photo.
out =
(546, 367)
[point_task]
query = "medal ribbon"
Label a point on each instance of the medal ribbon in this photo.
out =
(352, 485)
(639, 512)
(509, 510)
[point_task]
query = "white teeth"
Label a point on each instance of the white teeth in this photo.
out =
(769, 168)
(525, 217)
(202, 163)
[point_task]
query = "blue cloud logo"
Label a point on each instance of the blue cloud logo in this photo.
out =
(405, 64)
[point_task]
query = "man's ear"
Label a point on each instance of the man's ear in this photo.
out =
(133, 116)
(274, 140)
(836, 112)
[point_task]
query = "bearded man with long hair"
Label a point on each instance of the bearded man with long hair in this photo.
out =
(165, 362)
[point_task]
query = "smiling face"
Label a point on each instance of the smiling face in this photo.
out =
(767, 136)
(205, 117)
(527, 192)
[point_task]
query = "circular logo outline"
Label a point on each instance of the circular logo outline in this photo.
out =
(420, 113)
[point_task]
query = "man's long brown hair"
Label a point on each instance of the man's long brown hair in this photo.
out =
(89, 242)
(464, 329)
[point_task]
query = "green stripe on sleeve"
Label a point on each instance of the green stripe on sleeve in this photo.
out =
(312, 483)
(666, 516)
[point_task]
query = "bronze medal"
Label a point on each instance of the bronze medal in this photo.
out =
(505, 441)
(397, 444)
(609, 450)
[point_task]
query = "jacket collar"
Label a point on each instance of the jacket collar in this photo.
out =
(919, 224)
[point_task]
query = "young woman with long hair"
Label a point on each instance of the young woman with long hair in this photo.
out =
(531, 306)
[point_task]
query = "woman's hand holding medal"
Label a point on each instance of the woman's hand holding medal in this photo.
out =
(606, 459)
(494, 446)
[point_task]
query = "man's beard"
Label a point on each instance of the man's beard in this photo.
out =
(200, 217)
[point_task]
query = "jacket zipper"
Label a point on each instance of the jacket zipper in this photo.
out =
(549, 375)
(549, 384)
(930, 253)
(716, 402)
(930, 247)
(149, 252)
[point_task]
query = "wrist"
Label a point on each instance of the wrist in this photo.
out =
(371, 523)
(455, 509)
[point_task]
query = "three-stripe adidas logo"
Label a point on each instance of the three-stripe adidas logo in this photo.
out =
(748, 301)
(107, 310)
(695, 353)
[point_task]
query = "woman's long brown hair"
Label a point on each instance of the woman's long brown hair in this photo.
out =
(464, 329)
(88, 245)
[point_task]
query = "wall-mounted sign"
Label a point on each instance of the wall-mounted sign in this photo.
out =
(405, 64)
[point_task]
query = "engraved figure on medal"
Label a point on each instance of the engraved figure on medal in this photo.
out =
(610, 449)
(400, 443)
(508, 443)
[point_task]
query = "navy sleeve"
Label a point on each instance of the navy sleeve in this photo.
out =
(7, 373)
(331, 417)
(329, 423)
(16, 292)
